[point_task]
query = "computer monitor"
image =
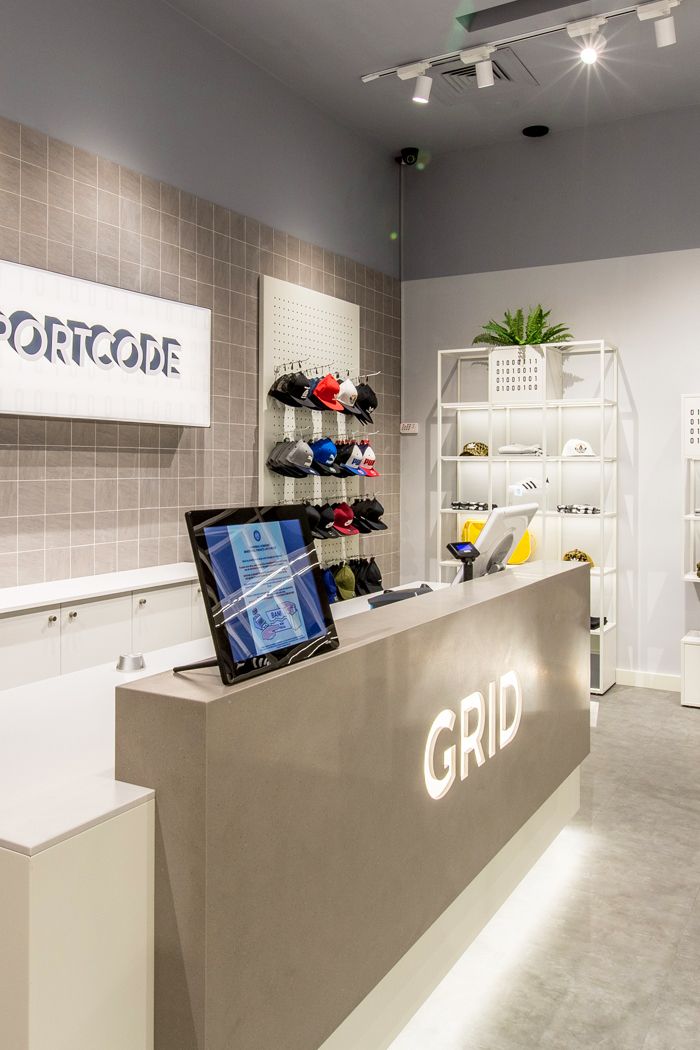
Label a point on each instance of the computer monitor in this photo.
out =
(501, 534)
(262, 587)
(504, 528)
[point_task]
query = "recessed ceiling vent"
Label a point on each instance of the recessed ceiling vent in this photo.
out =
(458, 82)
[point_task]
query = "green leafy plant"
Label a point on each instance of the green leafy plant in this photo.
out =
(515, 330)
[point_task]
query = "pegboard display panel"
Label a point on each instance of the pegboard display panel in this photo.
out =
(301, 328)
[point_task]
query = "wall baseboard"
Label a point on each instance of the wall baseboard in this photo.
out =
(649, 680)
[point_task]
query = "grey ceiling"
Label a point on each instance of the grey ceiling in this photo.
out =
(321, 48)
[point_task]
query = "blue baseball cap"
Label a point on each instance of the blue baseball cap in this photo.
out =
(331, 586)
(325, 454)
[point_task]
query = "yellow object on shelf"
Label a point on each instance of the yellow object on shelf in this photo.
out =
(522, 553)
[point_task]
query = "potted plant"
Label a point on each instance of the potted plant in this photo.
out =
(515, 330)
(521, 376)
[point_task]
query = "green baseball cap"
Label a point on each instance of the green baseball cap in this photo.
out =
(345, 582)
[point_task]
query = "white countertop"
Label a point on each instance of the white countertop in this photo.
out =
(57, 752)
(82, 588)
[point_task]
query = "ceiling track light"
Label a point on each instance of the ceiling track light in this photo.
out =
(665, 31)
(586, 26)
(659, 10)
(421, 91)
(410, 72)
(664, 23)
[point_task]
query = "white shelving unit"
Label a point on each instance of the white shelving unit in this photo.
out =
(578, 400)
(690, 430)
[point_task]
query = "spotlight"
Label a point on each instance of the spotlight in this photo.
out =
(586, 27)
(484, 73)
(665, 31)
(589, 56)
(480, 58)
(421, 91)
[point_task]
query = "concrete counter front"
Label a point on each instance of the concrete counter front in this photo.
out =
(321, 830)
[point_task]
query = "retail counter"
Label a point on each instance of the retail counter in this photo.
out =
(330, 837)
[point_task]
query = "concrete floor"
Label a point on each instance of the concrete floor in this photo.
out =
(600, 945)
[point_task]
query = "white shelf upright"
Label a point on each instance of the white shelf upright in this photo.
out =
(557, 392)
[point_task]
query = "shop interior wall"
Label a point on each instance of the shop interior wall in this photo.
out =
(646, 305)
(600, 224)
(138, 83)
(151, 157)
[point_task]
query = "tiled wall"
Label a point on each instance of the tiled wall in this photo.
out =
(82, 497)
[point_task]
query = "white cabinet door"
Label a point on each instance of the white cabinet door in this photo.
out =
(96, 632)
(30, 647)
(200, 624)
(161, 617)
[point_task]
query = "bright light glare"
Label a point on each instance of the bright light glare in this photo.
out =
(589, 55)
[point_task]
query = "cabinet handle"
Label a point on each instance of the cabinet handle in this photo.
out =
(52, 619)
(143, 601)
(72, 616)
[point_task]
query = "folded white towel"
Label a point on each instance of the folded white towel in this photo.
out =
(520, 450)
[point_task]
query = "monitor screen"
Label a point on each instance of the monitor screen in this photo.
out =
(266, 603)
(267, 594)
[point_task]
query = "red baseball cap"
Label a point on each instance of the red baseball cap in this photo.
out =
(326, 392)
(343, 518)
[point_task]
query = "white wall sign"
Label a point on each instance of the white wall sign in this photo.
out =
(75, 348)
(478, 716)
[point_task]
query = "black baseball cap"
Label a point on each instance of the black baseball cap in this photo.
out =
(327, 522)
(358, 509)
(366, 402)
(372, 515)
(313, 515)
(373, 577)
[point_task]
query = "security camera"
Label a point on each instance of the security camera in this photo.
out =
(408, 156)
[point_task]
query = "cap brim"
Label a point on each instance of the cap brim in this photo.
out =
(328, 470)
(379, 526)
(371, 472)
(364, 416)
(309, 470)
(364, 526)
(353, 470)
(333, 405)
(352, 410)
(347, 530)
(345, 595)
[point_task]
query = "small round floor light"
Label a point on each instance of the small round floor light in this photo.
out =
(535, 131)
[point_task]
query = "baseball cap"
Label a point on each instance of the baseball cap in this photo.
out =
(325, 454)
(358, 509)
(326, 522)
(278, 390)
(347, 395)
(368, 461)
(329, 584)
(577, 447)
(313, 515)
(326, 391)
(373, 577)
(276, 461)
(366, 402)
(373, 514)
(349, 459)
(345, 582)
(298, 454)
(343, 520)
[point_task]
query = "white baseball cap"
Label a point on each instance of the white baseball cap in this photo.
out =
(577, 447)
(347, 395)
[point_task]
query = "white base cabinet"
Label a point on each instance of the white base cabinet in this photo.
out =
(30, 647)
(76, 954)
(162, 617)
(67, 636)
(95, 632)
